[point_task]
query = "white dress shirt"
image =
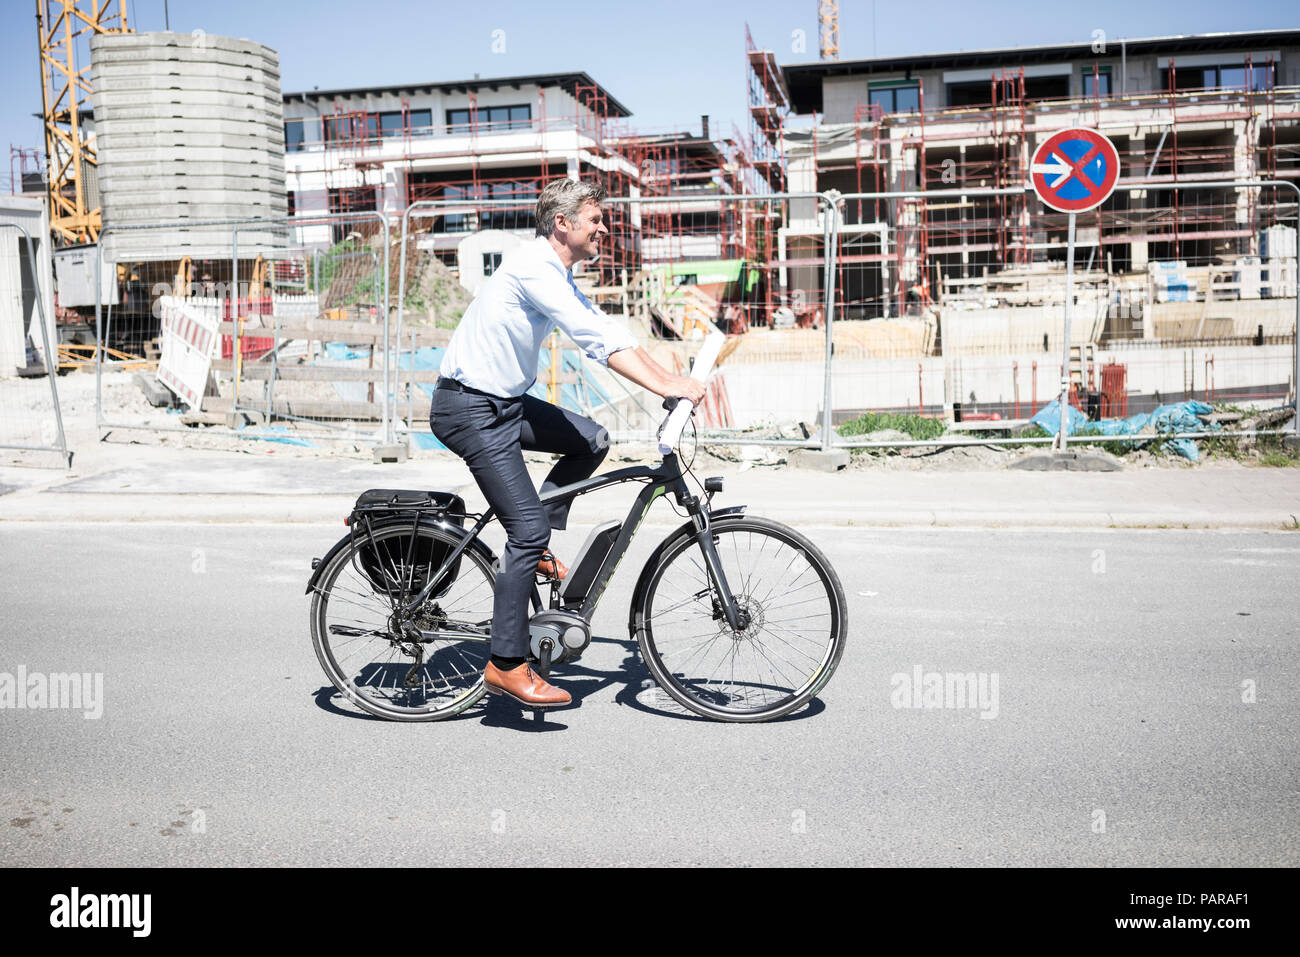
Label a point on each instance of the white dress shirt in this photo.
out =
(496, 346)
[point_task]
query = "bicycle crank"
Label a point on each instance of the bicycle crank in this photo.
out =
(567, 631)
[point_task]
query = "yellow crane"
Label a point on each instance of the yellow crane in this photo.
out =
(828, 22)
(65, 92)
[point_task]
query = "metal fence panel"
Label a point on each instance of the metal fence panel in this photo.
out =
(30, 416)
(673, 269)
(271, 316)
(956, 310)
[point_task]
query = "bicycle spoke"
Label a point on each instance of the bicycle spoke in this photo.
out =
(771, 663)
(365, 656)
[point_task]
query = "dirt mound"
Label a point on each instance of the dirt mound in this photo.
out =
(434, 295)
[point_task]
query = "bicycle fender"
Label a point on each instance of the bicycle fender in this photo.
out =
(687, 528)
(319, 567)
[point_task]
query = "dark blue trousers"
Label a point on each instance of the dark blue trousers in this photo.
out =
(491, 433)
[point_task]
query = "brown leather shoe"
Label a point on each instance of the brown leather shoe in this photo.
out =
(525, 686)
(552, 567)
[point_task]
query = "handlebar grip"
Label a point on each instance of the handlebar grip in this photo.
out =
(704, 362)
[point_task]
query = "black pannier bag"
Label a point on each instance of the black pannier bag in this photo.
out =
(383, 508)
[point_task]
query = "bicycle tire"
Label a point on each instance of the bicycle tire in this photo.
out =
(347, 607)
(757, 580)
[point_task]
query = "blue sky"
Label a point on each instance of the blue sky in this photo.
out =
(668, 62)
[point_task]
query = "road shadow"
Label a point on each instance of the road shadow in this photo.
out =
(331, 700)
(642, 693)
(639, 692)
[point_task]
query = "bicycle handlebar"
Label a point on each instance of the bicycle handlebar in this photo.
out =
(672, 430)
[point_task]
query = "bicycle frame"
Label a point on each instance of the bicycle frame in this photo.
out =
(662, 479)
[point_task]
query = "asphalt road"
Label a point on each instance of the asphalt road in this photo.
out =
(1145, 715)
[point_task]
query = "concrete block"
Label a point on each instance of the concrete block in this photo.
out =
(114, 173)
(149, 245)
(822, 460)
(390, 453)
(157, 394)
(125, 59)
(168, 83)
(263, 158)
(182, 139)
(1083, 460)
(176, 165)
(144, 126)
(105, 101)
(123, 185)
(185, 113)
(251, 136)
(114, 70)
(180, 42)
(1291, 442)
(183, 214)
(120, 199)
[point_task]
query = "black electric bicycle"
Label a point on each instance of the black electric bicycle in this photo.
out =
(738, 618)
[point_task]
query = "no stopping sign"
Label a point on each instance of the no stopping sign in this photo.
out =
(1074, 170)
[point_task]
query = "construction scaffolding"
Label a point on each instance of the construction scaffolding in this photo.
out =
(493, 170)
(1183, 136)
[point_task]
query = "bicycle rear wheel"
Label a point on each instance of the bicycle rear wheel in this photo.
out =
(791, 643)
(428, 668)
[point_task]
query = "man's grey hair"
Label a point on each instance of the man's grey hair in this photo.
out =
(564, 196)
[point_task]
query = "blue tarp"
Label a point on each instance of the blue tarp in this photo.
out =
(426, 440)
(1048, 418)
(341, 350)
(1177, 417)
(274, 433)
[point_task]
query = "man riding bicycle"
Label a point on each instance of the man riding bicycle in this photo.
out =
(482, 413)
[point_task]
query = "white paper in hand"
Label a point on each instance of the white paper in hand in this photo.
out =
(682, 411)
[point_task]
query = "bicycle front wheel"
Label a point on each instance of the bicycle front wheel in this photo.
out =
(427, 667)
(795, 622)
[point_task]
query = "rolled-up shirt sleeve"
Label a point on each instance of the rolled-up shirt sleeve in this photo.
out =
(549, 291)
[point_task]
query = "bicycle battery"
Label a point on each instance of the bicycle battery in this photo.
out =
(382, 508)
(593, 554)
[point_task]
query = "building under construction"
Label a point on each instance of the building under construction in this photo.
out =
(481, 150)
(702, 236)
(1181, 111)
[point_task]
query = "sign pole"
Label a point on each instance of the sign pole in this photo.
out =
(1065, 364)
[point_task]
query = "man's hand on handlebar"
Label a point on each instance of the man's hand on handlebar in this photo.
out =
(683, 387)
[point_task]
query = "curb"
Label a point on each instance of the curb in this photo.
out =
(328, 510)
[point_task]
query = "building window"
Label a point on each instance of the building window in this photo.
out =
(417, 123)
(293, 136)
(358, 199)
(895, 98)
(350, 127)
(1226, 76)
(458, 121)
(420, 122)
(491, 263)
(970, 94)
(491, 119)
(492, 217)
(1096, 84)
